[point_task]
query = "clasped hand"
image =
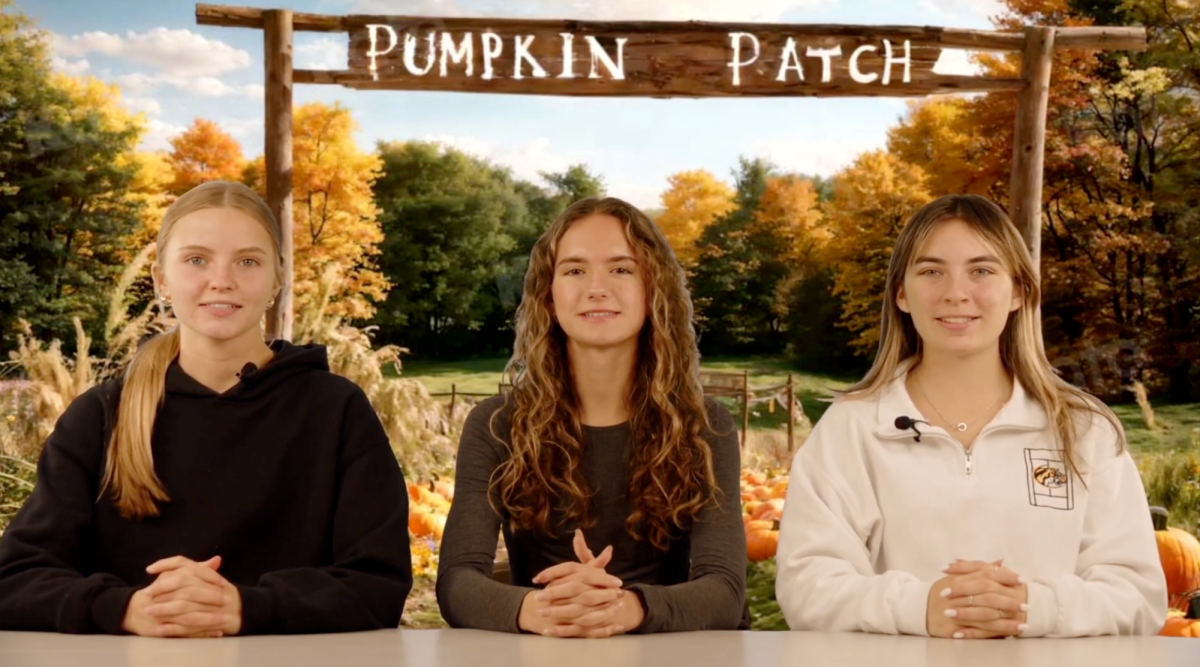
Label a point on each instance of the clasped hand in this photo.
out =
(580, 599)
(977, 600)
(186, 599)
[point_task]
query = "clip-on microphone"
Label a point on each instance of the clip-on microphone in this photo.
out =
(904, 423)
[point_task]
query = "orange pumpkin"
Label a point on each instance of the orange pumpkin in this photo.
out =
(763, 493)
(762, 539)
(754, 477)
(1178, 626)
(421, 495)
(423, 522)
(1179, 552)
(771, 510)
(444, 489)
(749, 507)
(780, 487)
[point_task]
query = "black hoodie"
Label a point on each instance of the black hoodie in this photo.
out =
(288, 476)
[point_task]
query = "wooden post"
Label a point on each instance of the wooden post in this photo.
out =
(791, 400)
(745, 406)
(277, 36)
(1029, 140)
(453, 395)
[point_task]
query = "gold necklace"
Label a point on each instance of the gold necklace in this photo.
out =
(960, 426)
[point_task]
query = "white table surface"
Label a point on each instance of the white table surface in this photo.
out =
(463, 648)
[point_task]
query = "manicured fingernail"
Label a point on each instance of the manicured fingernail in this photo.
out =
(620, 628)
(958, 635)
(1022, 627)
(548, 632)
(945, 593)
(1024, 607)
(1021, 580)
(952, 613)
(615, 581)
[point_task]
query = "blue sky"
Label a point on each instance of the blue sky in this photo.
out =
(175, 71)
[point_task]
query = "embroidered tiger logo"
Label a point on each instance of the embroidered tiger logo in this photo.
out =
(1049, 476)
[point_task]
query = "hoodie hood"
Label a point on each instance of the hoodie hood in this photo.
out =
(289, 361)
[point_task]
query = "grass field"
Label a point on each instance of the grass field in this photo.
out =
(1179, 425)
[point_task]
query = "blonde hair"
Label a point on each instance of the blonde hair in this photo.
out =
(1021, 348)
(129, 468)
(672, 476)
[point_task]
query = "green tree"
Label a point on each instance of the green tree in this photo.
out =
(447, 219)
(743, 263)
(66, 165)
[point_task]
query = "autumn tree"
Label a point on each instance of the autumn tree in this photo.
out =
(873, 199)
(204, 152)
(1119, 239)
(936, 136)
(336, 224)
(692, 201)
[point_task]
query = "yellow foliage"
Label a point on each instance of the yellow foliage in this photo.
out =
(336, 220)
(693, 201)
(873, 199)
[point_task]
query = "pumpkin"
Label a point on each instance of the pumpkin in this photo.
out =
(444, 489)
(749, 507)
(423, 522)
(1179, 552)
(421, 495)
(754, 477)
(1178, 626)
(762, 539)
(763, 493)
(771, 510)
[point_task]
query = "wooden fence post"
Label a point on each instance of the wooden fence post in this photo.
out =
(791, 400)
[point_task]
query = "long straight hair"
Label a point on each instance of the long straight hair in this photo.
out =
(1021, 348)
(129, 475)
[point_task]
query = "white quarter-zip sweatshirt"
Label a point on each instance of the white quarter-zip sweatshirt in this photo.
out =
(873, 517)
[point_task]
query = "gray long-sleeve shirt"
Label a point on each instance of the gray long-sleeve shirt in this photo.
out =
(698, 583)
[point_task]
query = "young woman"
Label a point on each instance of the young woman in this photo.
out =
(605, 445)
(962, 489)
(224, 486)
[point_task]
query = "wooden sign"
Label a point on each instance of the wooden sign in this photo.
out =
(649, 59)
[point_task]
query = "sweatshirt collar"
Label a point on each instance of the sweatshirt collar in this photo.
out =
(1021, 411)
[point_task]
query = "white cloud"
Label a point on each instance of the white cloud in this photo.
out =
(71, 67)
(525, 161)
(147, 105)
(136, 83)
(606, 10)
(242, 127)
(806, 155)
(639, 194)
(956, 61)
(964, 12)
(322, 53)
(139, 83)
(174, 52)
(158, 135)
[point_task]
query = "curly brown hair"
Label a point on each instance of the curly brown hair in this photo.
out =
(673, 477)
